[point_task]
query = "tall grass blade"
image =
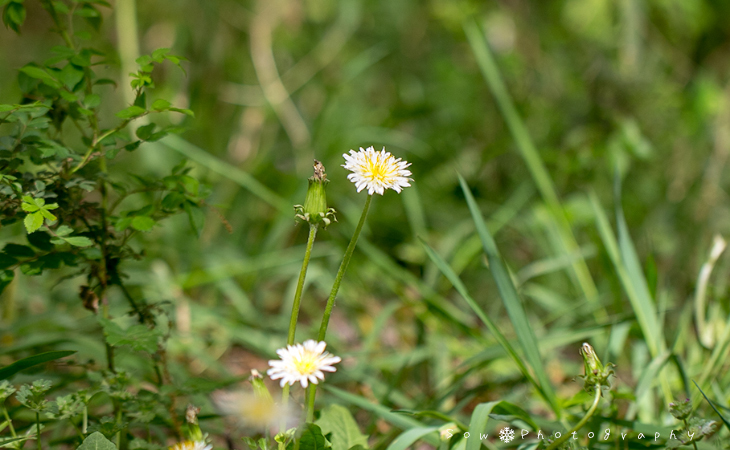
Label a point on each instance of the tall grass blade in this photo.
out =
(234, 174)
(409, 437)
(641, 304)
(461, 289)
(479, 419)
(713, 406)
(530, 155)
(510, 299)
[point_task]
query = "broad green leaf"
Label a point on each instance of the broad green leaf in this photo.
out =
(79, 241)
(338, 421)
(132, 111)
(139, 337)
(44, 212)
(145, 131)
(33, 221)
(63, 230)
(143, 223)
(8, 371)
(18, 251)
(312, 438)
(40, 74)
(96, 441)
(160, 105)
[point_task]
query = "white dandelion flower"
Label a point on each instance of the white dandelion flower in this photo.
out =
(304, 363)
(191, 445)
(376, 171)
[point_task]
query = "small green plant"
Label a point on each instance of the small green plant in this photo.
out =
(695, 428)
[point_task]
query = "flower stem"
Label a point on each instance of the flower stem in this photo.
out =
(10, 422)
(300, 285)
(580, 424)
(38, 429)
(295, 312)
(333, 294)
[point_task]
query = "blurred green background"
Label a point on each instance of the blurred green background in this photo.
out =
(631, 90)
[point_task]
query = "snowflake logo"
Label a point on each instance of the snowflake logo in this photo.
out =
(506, 434)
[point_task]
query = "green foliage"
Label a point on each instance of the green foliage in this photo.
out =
(542, 107)
(336, 422)
(96, 441)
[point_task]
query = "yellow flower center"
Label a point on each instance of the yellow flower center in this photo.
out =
(306, 365)
(378, 171)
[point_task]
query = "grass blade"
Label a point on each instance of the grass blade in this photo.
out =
(641, 304)
(398, 420)
(531, 157)
(409, 437)
(713, 406)
(461, 289)
(510, 299)
(229, 171)
(25, 363)
(479, 419)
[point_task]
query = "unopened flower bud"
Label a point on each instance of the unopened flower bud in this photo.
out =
(315, 208)
(592, 363)
(596, 374)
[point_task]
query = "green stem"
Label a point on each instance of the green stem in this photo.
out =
(295, 313)
(38, 430)
(582, 422)
(85, 420)
(333, 294)
(686, 427)
(10, 422)
(300, 285)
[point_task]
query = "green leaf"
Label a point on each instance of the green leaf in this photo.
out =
(312, 438)
(185, 111)
(33, 221)
(338, 421)
(79, 241)
(409, 437)
(96, 441)
(132, 111)
(6, 277)
(63, 230)
(196, 216)
(139, 337)
(143, 223)
(92, 100)
(10, 442)
(14, 16)
(144, 132)
(40, 74)
(25, 363)
(18, 251)
(44, 212)
(160, 105)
